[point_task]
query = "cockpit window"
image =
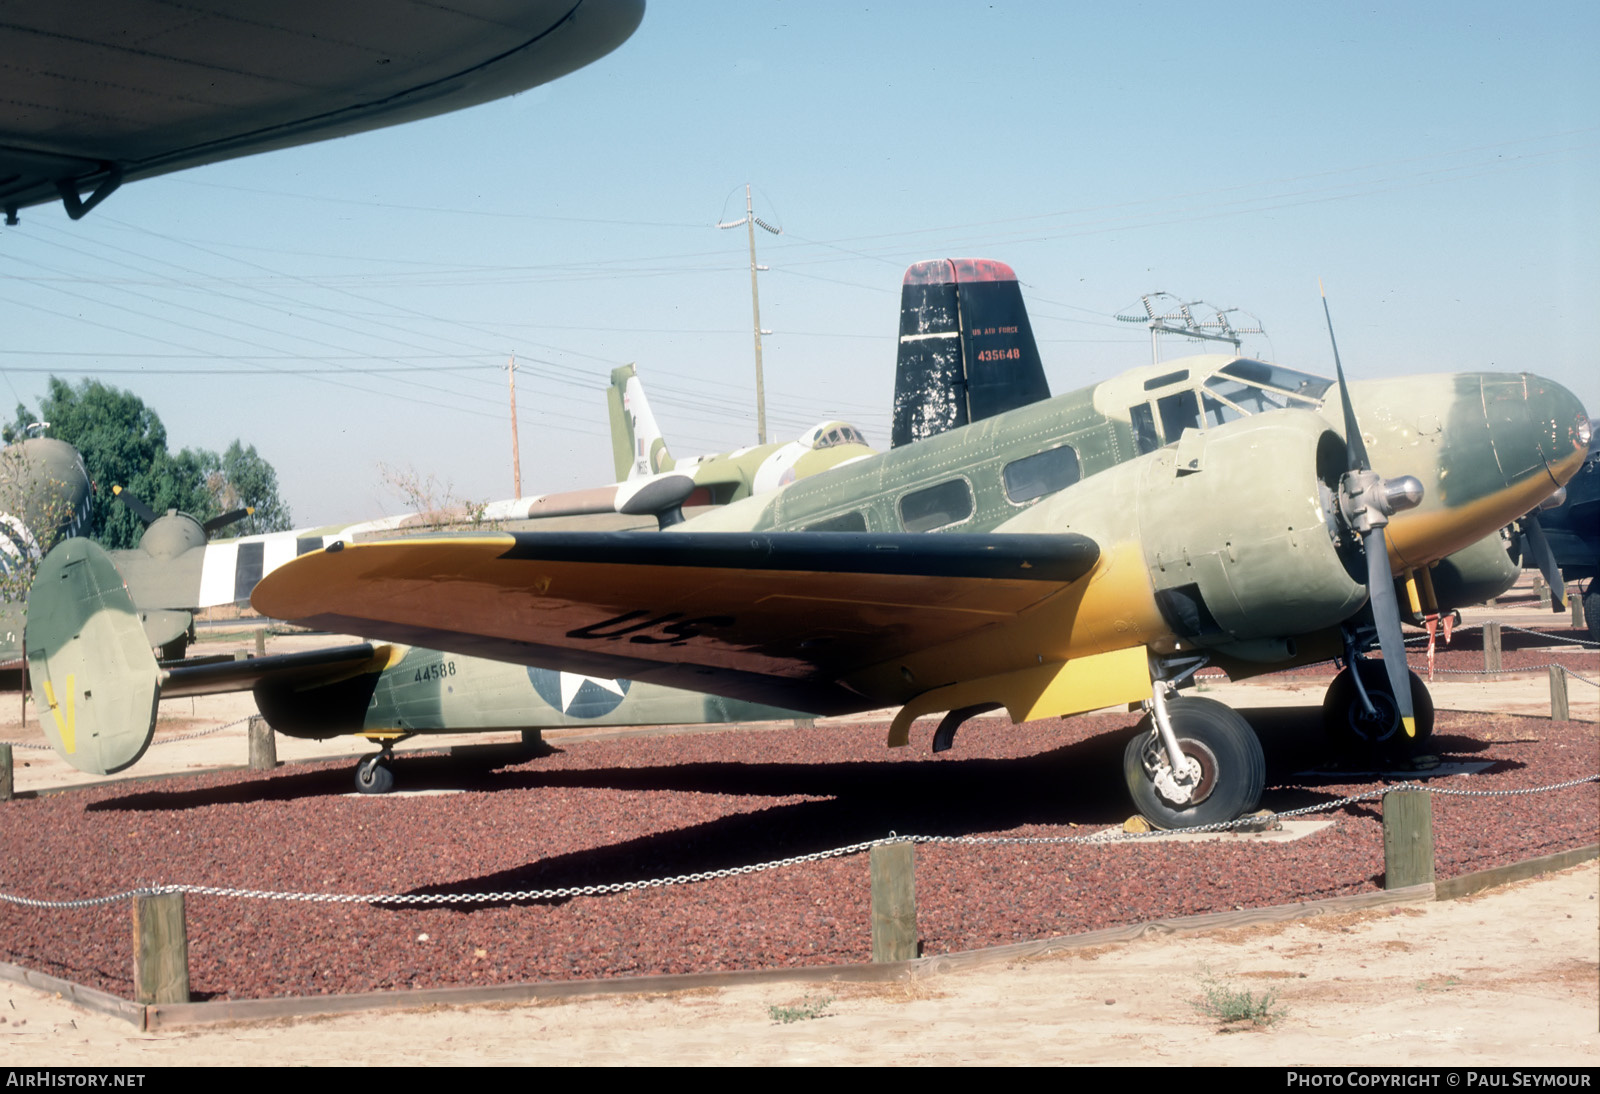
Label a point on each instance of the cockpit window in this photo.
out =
(1303, 386)
(842, 434)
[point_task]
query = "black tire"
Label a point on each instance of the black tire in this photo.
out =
(1349, 726)
(373, 776)
(1591, 611)
(1233, 769)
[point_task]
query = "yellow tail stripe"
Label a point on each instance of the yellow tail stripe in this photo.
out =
(66, 723)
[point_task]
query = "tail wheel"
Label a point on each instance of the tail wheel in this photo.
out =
(1348, 724)
(1224, 774)
(373, 775)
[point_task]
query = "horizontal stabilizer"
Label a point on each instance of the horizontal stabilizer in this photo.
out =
(309, 668)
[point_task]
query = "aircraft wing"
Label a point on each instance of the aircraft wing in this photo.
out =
(769, 617)
(99, 92)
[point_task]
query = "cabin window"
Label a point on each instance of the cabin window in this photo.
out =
(1041, 473)
(855, 521)
(1143, 420)
(937, 506)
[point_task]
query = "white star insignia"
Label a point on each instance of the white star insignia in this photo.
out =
(571, 683)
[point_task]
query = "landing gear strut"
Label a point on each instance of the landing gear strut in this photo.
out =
(1222, 772)
(373, 775)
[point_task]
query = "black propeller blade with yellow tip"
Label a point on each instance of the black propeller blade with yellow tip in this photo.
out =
(1367, 500)
(139, 508)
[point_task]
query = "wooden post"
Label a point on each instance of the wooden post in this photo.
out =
(160, 949)
(1407, 838)
(894, 901)
(1543, 590)
(1491, 646)
(6, 786)
(263, 745)
(1579, 620)
(1558, 694)
(261, 641)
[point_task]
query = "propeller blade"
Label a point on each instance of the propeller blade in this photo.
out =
(230, 517)
(138, 508)
(1539, 546)
(1386, 613)
(1352, 432)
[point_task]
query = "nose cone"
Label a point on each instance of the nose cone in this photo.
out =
(1510, 434)
(1557, 429)
(1488, 446)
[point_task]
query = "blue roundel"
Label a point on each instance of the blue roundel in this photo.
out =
(578, 696)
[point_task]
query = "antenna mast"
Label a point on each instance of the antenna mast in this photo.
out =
(750, 220)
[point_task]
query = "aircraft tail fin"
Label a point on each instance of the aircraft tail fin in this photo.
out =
(966, 348)
(95, 680)
(637, 445)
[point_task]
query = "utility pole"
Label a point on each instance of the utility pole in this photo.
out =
(750, 220)
(516, 459)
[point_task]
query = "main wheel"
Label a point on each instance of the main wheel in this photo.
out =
(1349, 725)
(373, 776)
(1224, 760)
(1591, 609)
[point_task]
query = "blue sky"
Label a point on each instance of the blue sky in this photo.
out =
(1435, 165)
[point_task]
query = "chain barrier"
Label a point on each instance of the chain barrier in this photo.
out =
(526, 895)
(164, 741)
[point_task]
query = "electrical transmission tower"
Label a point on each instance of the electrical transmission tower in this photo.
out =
(1178, 317)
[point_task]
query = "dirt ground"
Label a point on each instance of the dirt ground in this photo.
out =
(1506, 977)
(1509, 977)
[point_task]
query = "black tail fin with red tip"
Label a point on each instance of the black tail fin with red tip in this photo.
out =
(966, 348)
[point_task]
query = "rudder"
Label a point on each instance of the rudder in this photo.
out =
(637, 446)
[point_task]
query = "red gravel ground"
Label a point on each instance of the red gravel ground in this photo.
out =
(654, 806)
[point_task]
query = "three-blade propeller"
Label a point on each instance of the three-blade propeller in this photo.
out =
(149, 516)
(1367, 500)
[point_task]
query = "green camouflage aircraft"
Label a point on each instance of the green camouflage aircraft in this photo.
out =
(1091, 549)
(45, 497)
(989, 290)
(385, 693)
(97, 683)
(641, 451)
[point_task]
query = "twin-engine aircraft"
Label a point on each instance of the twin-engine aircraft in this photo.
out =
(949, 603)
(1223, 517)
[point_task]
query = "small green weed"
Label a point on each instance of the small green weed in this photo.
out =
(803, 1011)
(1232, 1008)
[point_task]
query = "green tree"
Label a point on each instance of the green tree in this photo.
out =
(242, 479)
(124, 444)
